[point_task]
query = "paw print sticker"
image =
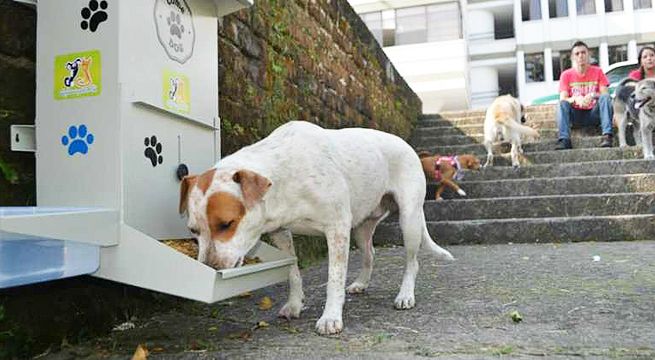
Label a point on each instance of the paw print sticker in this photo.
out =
(153, 150)
(93, 15)
(175, 30)
(77, 140)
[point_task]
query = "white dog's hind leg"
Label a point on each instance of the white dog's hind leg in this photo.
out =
(411, 223)
(364, 238)
(283, 240)
(331, 322)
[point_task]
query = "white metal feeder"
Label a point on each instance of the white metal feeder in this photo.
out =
(127, 95)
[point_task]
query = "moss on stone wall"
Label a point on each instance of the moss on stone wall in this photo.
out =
(285, 60)
(17, 99)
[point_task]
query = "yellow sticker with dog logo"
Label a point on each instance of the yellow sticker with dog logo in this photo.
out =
(78, 75)
(176, 92)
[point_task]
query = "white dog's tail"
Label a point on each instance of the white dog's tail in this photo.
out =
(522, 129)
(435, 249)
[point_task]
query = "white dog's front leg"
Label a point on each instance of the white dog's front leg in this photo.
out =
(331, 321)
(490, 155)
(516, 148)
(647, 140)
(621, 120)
(283, 240)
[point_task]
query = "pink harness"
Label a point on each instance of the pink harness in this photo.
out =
(453, 161)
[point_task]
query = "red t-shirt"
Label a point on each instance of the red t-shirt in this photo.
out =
(636, 74)
(576, 84)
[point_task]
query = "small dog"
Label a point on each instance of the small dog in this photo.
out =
(308, 180)
(446, 169)
(503, 119)
(644, 102)
(624, 110)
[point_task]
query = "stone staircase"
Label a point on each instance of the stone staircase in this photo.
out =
(584, 194)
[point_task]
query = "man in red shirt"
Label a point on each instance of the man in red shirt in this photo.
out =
(584, 98)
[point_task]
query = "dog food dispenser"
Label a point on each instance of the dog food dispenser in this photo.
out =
(127, 95)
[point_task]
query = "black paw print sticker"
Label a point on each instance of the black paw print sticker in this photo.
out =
(153, 150)
(93, 15)
(175, 24)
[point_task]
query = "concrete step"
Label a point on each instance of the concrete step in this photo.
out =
(437, 120)
(480, 112)
(591, 168)
(504, 147)
(433, 138)
(541, 206)
(530, 230)
(630, 183)
(571, 156)
(475, 128)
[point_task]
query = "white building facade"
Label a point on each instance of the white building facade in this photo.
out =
(461, 54)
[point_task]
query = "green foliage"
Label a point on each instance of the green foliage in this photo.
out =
(8, 172)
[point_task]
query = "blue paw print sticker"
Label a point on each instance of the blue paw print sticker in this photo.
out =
(77, 140)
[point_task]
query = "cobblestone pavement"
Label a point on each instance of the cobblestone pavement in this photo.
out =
(581, 300)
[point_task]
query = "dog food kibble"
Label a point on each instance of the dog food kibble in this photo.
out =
(189, 247)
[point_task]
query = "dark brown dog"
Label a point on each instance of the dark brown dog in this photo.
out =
(445, 170)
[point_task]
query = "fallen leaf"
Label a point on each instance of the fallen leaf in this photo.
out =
(141, 353)
(213, 328)
(516, 316)
(291, 329)
(262, 324)
(265, 303)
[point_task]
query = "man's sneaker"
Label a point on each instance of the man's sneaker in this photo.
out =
(563, 144)
(607, 141)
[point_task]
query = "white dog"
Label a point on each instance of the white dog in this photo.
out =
(503, 119)
(644, 97)
(308, 180)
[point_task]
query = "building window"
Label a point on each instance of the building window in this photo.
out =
(558, 8)
(642, 4)
(534, 67)
(444, 22)
(617, 53)
(561, 62)
(593, 56)
(613, 5)
(420, 24)
(411, 25)
(530, 10)
(373, 22)
(586, 7)
(388, 28)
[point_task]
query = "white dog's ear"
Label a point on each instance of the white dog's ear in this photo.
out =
(187, 183)
(253, 186)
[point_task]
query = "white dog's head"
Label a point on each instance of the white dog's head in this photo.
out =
(225, 213)
(644, 93)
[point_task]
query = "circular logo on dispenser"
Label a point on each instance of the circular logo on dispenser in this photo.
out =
(174, 23)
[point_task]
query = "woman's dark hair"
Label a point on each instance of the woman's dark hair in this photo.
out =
(642, 71)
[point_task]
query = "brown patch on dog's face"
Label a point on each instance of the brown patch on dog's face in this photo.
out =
(224, 213)
(202, 181)
(205, 180)
(470, 162)
(523, 117)
(188, 182)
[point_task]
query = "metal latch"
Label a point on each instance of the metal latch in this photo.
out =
(23, 138)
